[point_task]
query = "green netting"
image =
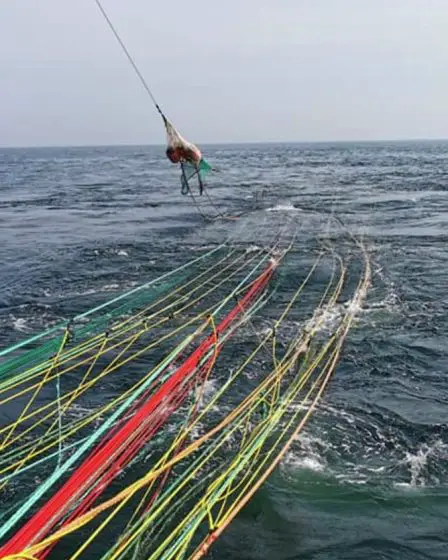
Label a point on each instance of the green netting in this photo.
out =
(38, 350)
(204, 167)
(190, 171)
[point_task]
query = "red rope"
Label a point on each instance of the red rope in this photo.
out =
(118, 449)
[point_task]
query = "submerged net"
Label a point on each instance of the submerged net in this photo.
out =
(154, 466)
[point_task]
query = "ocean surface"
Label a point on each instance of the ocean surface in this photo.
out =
(368, 477)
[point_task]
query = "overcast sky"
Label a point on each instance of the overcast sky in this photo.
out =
(233, 70)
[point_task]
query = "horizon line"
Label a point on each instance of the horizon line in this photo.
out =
(225, 143)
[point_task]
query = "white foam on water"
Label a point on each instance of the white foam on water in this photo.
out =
(337, 412)
(325, 319)
(306, 455)
(89, 292)
(109, 287)
(391, 301)
(288, 207)
(417, 464)
(307, 463)
(197, 431)
(20, 324)
(253, 249)
(209, 390)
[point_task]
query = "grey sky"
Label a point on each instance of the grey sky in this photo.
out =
(233, 70)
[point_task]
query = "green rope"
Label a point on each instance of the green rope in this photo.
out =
(107, 304)
(60, 471)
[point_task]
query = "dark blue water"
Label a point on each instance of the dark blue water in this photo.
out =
(368, 478)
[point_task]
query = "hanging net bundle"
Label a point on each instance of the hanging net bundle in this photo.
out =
(188, 156)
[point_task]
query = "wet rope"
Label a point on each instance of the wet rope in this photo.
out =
(50, 481)
(185, 189)
(198, 419)
(242, 473)
(131, 60)
(109, 368)
(7, 366)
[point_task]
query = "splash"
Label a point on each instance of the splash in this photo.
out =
(287, 207)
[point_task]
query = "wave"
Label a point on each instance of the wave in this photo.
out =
(354, 450)
(288, 207)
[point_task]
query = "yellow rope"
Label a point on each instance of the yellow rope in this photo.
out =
(85, 346)
(38, 388)
(208, 511)
(125, 495)
(110, 368)
(119, 550)
(203, 548)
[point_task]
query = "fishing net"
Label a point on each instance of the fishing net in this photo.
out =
(190, 171)
(180, 150)
(189, 156)
(154, 464)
